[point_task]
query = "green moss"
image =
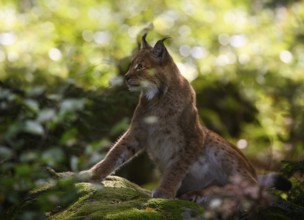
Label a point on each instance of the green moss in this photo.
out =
(115, 198)
(124, 203)
(175, 209)
(105, 202)
(118, 182)
(42, 188)
(121, 199)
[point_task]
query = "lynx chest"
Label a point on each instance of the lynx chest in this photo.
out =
(164, 142)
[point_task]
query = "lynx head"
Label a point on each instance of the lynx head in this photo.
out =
(147, 69)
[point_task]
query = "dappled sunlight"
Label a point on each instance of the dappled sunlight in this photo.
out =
(286, 56)
(64, 99)
(7, 38)
(188, 70)
(55, 54)
(242, 144)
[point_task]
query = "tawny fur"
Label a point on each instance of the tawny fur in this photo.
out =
(166, 124)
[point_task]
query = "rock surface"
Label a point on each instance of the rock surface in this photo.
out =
(117, 198)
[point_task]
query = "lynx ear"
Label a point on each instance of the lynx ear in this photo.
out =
(144, 43)
(159, 50)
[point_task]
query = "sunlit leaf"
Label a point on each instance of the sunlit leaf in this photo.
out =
(74, 163)
(5, 153)
(29, 156)
(69, 137)
(33, 127)
(53, 156)
(71, 105)
(46, 115)
(32, 104)
(37, 90)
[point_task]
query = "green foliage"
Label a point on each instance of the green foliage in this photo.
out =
(57, 108)
(291, 167)
(295, 169)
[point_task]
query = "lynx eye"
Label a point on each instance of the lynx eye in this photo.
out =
(139, 66)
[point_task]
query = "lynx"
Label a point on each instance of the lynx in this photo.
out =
(166, 124)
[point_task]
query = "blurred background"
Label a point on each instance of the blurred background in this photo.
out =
(63, 101)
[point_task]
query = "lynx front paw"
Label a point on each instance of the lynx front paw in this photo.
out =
(85, 176)
(160, 193)
(90, 176)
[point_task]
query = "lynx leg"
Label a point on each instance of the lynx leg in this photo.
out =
(127, 147)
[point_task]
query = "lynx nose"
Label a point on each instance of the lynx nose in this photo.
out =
(127, 77)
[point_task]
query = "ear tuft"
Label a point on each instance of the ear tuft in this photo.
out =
(159, 50)
(144, 43)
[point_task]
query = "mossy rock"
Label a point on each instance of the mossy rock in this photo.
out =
(115, 198)
(118, 198)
